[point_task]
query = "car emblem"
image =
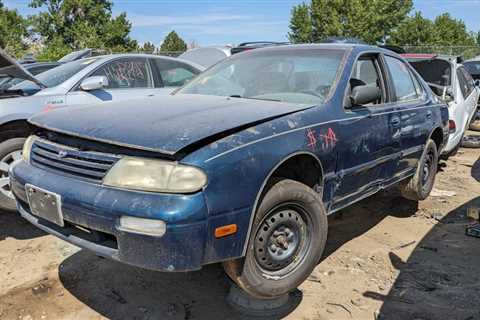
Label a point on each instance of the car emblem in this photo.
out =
(62, 154)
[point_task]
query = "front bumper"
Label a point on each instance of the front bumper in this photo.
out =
(91, 213)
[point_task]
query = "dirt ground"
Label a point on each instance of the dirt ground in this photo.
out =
(386, 258)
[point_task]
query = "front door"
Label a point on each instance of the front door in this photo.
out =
(128, 78)
(372, 136)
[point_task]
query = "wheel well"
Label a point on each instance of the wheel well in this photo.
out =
(304, 168)
(15, 129)
(437, 137)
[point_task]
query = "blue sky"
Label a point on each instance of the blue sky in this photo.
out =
(232, 21)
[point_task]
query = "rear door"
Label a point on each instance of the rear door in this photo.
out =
(416, 117)
(170, 74)
(128, 78)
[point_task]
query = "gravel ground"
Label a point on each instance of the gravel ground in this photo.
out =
(386, 258)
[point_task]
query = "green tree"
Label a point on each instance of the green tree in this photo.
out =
(13, 31)
(78, 24)
(368, 20)
(452, 32)
(173, 42)
(415, 30)
(300, 24)
(148, 47)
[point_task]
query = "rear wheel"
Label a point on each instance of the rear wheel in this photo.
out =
(10, 151)
(420, 185)
(287, 240)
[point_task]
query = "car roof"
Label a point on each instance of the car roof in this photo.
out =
(104, 58)
(340, 46)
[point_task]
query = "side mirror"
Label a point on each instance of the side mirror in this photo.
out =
(94, 83)
(362, 95)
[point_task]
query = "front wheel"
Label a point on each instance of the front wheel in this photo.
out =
(10, 151)
(420, 185)
(287, 239)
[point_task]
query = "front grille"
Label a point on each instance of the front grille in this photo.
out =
(87, 165)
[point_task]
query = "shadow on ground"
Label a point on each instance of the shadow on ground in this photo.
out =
(13, 225)
(441, 279)
(476, 170)
(117, 291)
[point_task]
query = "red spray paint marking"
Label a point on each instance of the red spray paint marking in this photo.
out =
(312, 140)
(329, 139)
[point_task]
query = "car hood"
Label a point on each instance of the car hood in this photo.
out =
(11, 68)
(164, 124)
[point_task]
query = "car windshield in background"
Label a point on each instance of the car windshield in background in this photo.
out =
(473, 67)
(303, 76)
(56, 76)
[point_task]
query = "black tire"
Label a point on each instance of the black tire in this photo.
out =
(271, 267)
(6, 149)
(471, 142)
(475, 125)
(420, 185)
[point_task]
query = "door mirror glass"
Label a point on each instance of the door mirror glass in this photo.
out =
(362, 95)
(94, 83)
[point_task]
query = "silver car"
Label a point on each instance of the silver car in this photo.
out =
(87, 81)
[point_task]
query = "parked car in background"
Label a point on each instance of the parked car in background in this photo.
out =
(87, 81)
(450, 81)
(7, 81)
(81, 54)
(473, 67)
(242, 165)
(208, 56)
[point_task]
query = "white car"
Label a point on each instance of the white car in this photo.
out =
(92, 80)
(449, 79)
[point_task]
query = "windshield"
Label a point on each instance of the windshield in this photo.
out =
(303, 76)
(473, 67)
(56, 76)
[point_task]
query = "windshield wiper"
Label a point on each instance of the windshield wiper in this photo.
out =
(252, 98)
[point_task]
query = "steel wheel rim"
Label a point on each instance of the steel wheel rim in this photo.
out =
(282, 239)
(427, 169)
(5, 164)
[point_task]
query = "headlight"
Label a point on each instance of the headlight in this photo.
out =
(27, 148)
(155, 175)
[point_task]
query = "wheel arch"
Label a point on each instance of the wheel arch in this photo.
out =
(437, 136)
(271, 174)
(17, 128)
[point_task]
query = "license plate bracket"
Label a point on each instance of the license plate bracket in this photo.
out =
(45, 204)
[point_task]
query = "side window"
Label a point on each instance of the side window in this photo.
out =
(418, 86)
(402, 79)
(126, 73)
(174, 73)
(468, 79)
(463, 83)
(366, 72)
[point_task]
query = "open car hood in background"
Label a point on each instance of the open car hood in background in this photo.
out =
(11, 68)
(437, 71)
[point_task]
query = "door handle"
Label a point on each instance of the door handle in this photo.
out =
(429, 114)
(395, 121)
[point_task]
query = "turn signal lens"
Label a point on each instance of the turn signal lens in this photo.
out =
(224, 231)
(27, 148)
(149, 227)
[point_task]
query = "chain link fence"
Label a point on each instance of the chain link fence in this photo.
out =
(467, 52)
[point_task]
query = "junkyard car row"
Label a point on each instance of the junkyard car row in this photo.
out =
(79, 82)
(242, 165)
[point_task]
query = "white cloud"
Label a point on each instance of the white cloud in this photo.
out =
(157, 21)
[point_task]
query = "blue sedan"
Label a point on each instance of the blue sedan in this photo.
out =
(241, 166)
